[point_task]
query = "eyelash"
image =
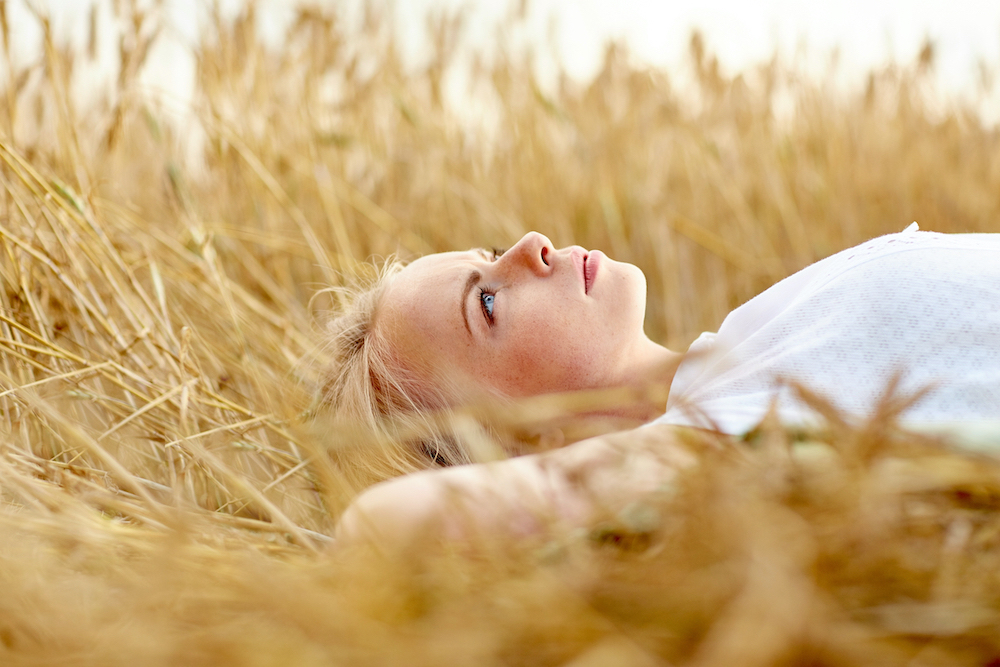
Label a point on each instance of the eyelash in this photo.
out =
(483, 293)
(495, 254)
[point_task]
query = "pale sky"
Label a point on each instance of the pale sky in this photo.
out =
(867, 33)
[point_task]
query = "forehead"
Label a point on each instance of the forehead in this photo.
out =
(420, 313)
(428, 278)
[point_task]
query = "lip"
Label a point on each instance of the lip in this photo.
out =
(591, 265)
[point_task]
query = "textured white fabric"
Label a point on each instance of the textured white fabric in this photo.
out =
(922, 304)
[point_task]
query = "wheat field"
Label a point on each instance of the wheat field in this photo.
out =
(169, 479)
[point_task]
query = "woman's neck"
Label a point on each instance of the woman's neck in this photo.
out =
(651, 365)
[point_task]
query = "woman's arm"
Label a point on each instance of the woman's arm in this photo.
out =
(565, 488)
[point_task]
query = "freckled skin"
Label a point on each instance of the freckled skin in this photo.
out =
(548, 334)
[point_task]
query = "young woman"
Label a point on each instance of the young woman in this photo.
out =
(917, 308)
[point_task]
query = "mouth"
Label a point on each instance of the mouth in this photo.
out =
(591, 264)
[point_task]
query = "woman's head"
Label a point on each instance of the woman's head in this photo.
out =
(452, 325)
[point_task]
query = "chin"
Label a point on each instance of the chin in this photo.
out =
(635, 281)
(629, 300)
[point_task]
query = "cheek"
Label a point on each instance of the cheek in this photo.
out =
(545, 358)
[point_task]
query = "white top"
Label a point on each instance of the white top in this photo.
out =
(923, 304)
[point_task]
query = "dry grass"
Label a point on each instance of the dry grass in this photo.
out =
(167, 489)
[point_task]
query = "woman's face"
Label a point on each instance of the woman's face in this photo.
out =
(531, 321)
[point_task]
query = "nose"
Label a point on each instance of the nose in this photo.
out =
(533, 251)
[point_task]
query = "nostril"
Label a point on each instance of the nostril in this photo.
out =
(545, 251)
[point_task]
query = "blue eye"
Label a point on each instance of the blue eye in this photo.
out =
(486, 298)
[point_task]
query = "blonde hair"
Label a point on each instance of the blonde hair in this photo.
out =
(367, 386)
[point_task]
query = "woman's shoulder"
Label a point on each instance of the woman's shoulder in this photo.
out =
(916, 299)
(910, 256)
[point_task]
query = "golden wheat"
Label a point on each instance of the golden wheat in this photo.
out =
(168, 484)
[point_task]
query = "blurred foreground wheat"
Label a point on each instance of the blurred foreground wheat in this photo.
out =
(168, 482)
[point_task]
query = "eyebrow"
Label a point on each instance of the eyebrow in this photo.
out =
(470, 282)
